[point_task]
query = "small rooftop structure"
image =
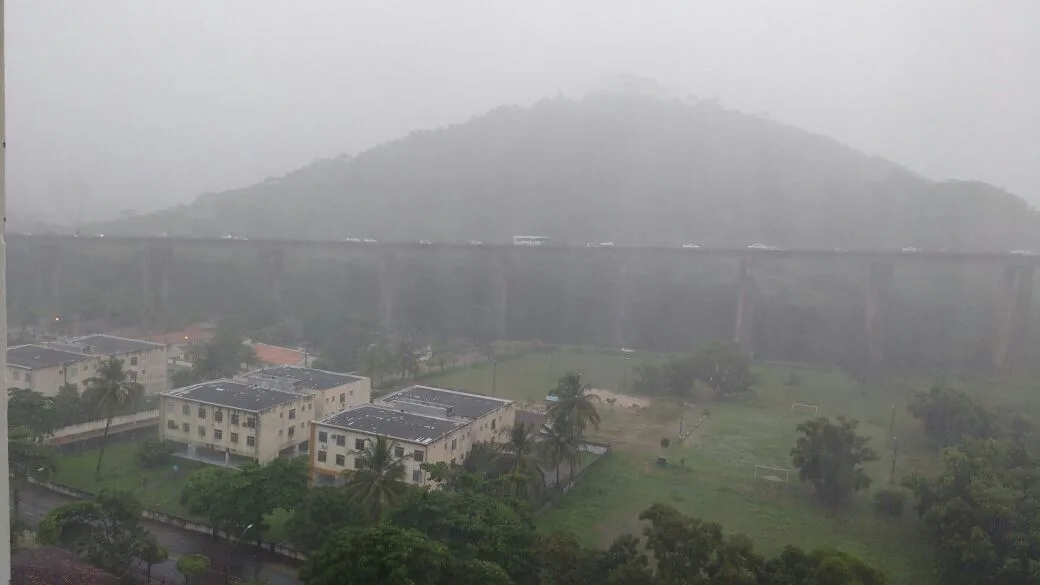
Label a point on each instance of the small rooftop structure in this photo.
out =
(462, 404)
(309, 378)
(373, 419)
(192, 334)
(32, 357)
(236, 395)
(278, 356)
(112, 345)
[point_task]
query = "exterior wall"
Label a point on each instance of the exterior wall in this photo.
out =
(494, 426)
(270, 430)
(342, 397)
(441, 450)
(48, 380)
(151, 367)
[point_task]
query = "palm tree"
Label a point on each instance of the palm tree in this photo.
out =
(562, 444)
(378, 480)
(522, 450)
(574, 404)
(109, 392)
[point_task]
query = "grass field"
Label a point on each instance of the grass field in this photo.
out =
(158, 489)
(716, 479)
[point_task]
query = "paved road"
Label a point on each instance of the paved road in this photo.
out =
(37, 501)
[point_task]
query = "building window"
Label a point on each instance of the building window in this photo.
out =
(202, 412)
(418, 456)
(359, 444)
(341, 460)
(250, 441)
(234, 437)
(172, 425)
(169, 407)
(202, 431)
(453, 444)
(73, 371)
(17, 375)
(323, 437)
(218, 434)
(280, 432)
(234, 418)
(341, 440)
(453, 461)
(492, 424)
(292, 432)
(133, 361)
(292, 414)
(416, 476)
(250, 422)
(218, 416)
(28, 377)
(342, 398)
(398, 451)
(322, 456)
(186, 410)
(186, 428)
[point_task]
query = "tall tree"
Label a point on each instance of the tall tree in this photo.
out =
(561, 444)
(68, 406)
(574, 403)
(949, 415)
(831, 455)
(32, 411)
(379, 478)
(323, 511)
(28, 458)
(523, 454)
(110, 392)
(723, 367)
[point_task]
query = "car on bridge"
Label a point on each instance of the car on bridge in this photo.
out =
(369, 240)
(352, 239)
(910, 249)
(606, 244)
(1024, 252)
(476, 243)
(762, 247)
(691, 246)
(425, 243)
(591, 245)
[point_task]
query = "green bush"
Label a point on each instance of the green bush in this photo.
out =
(890, 502)
(154, 453)
(191, 566)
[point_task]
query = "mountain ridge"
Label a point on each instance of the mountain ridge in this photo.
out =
(629, 169)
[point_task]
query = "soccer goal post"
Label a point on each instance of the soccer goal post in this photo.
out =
(772, 474)
(804, 407)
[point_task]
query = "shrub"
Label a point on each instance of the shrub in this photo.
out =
(191, 566)
(793, 380)
(154, 453)
(665, 442)
(890, 502)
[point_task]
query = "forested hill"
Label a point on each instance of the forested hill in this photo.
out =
(632, 170)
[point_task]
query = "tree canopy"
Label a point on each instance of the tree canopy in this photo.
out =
(830, 455)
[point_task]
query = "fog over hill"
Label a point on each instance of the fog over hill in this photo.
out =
(630, 169)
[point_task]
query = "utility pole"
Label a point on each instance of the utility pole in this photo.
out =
(895, 454)
(5, 481)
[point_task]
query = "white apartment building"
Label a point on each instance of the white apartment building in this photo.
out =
(417, 438)
(491, 417)
(46, 369)
(332, 391)
(222, 418)
(144, 361)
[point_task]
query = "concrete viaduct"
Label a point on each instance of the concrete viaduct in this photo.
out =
(1012, 312)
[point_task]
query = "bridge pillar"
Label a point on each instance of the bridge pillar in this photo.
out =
(878, 287)
(745, 307)
(272, 264)
(1016, 293)
(500, 290)
(387, 290)
(157, 262)
(49, 284)
(621, 306)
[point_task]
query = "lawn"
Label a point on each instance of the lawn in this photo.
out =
(715, 479)
(158, 489)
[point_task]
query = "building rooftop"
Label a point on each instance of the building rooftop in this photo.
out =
(237, 395)
(192, 334)
(278, 356)
(110, 344)
(376, 419)
(463, 403)
(37, 356)
(310, 377)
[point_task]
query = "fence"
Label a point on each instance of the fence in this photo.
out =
(135, 420)
(176, 521)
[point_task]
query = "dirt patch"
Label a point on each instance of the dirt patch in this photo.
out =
(621, 400)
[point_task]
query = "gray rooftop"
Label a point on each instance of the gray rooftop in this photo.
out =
(237, 395)
(38, 356)
(379, 420)
(309, 377)
(465, 404)
(110, 344)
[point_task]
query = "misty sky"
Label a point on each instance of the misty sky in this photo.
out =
(119, 104)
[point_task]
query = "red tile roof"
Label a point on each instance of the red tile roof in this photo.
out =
(278, 356)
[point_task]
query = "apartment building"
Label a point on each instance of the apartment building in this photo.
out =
(332, 391)
(144, 361)
(224, 418)
(417, 438)
(491, 417)
(46, 369)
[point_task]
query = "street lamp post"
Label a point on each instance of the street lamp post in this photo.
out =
(231, 552)
(494, 377)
